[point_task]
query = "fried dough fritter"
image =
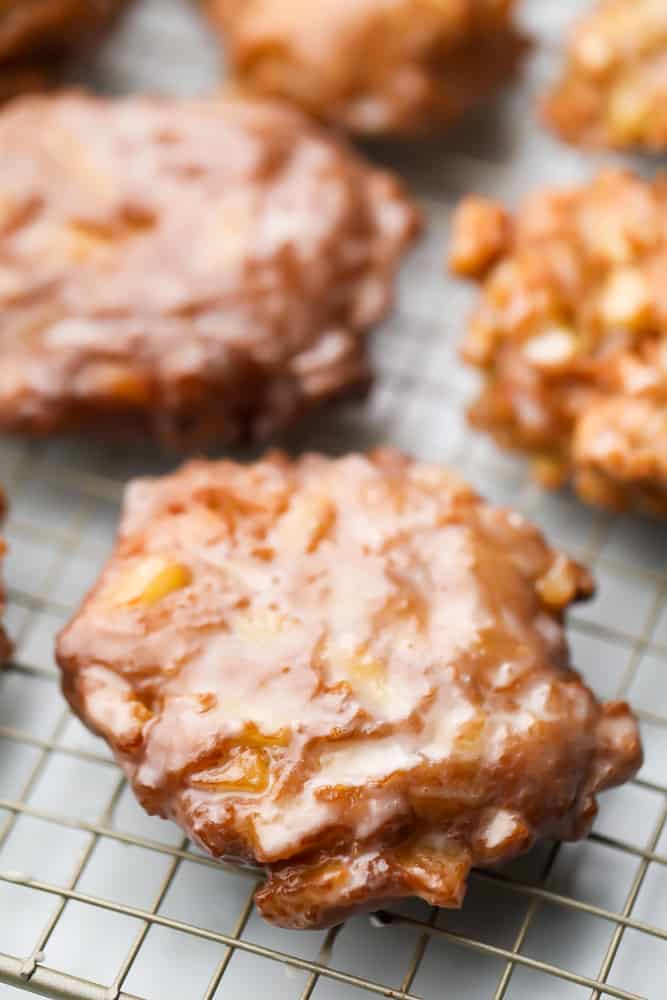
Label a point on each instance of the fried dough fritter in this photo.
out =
(352, 672)
(613, 92)
(375, 67)
(571, 334)
(202, 270)
(39, 38)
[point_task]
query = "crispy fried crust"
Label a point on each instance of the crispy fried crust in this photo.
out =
(5, 644)
(205, 270)
(613, 91)
(353, 672)
(372, 66)
(571, 334)
(38, 38)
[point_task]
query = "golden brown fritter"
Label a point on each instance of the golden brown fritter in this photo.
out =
(205, 270)
(571, 334)
(613, 91)
(352, 672)
(372, 66)
(38, 38)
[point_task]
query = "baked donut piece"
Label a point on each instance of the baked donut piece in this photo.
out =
(571, 334)
(40, 38)
(613, 91)
(372, 66)
(352, 672)
(203, 270)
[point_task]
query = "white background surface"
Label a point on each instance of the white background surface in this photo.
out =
(64, 508)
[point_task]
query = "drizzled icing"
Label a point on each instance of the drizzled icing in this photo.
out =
(358, 670)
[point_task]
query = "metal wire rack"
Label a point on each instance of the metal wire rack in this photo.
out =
(98, 901)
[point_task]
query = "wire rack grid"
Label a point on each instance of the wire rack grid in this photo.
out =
(100, 902)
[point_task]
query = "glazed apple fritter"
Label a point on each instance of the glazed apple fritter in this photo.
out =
(202, 270)
(40, 38)
(571, 334)
(372, 66)
(613, 91)
(352, 672)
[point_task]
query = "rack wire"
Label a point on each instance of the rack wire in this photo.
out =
(99, 902)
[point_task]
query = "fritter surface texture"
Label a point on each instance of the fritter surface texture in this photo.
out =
(206, 270)
(571, 333)
(38, 38)
(352, 672)
(613, 91)
(372, 66)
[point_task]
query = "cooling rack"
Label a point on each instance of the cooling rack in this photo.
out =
(100, 902)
